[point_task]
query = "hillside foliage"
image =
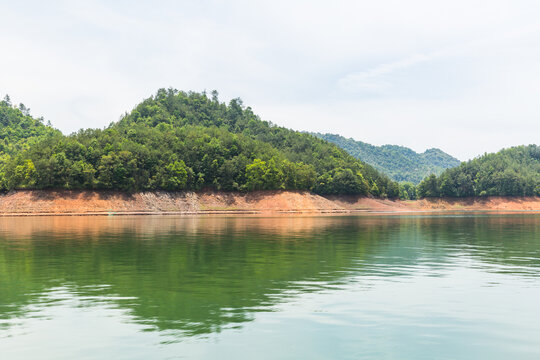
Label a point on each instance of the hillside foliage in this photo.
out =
(180, 141)
(509, 172)
(18, 130)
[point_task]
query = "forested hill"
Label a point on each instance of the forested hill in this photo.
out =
(182, 141)
(398, 162)
(19, 130)
(510, 172)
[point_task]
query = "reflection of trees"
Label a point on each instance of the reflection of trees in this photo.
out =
(511, 240)
(192, 274)
(199, 275)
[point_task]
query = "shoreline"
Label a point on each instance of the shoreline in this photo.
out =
(271, 214)
(270, 202)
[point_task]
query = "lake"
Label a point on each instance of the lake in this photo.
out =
(461, 286)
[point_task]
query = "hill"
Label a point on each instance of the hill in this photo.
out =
(510, 172)
(398, 162)
(19, 130)
(184, 141)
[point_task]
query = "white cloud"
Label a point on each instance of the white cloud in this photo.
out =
(458, 75)
(364, 80)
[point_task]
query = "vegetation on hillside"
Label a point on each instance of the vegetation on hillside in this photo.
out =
(180, 141)
(510, 172)
(18, 130)
(398, 162)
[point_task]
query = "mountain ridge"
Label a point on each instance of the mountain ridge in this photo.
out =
(399, 162)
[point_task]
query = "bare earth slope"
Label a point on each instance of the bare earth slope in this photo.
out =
(65, 202)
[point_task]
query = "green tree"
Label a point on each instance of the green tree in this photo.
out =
(429, 187)
(255, 173)
(273, 176)
(175, 176)
(407, 191)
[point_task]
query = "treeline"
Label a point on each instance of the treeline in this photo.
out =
(510, 172)
(398, 162)
(180, 141)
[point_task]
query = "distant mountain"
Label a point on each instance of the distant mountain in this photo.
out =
(398, 162)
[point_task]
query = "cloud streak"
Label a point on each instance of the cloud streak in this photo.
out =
(375, 78)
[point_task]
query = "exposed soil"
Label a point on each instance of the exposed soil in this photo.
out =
(65, 202)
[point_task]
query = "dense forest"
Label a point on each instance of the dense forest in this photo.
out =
(179, 141)
(510, 172)
(398, 162)
(18, 130)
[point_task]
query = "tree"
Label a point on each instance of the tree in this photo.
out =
(273, 176)
(25, 174)
(82, 175)
(175, 176)
(342, 181)
(429, 187)
(255, 175)
(407, 191)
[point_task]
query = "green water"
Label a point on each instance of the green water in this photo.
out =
(347, 287)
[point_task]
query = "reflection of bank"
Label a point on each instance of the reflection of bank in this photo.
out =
(199, 275)
(27, 226)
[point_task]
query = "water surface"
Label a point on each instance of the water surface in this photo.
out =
(318, 287)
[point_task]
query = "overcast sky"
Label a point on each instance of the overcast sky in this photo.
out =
(463, 76)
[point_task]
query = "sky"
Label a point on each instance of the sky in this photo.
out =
(462, 76)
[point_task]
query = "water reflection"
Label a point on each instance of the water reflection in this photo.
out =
(200, 275)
